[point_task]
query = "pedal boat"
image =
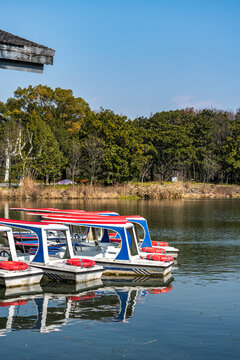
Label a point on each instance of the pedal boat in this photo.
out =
(146, 242)
(15, 273)
(54, 267)
(126, 260)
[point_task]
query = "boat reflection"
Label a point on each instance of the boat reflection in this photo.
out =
(15, 312)
(53, 305)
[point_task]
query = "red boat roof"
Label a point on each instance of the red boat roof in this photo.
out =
(55, 210)
(34, 209)
(21, 223)
(87, 215)
(87, 222)
(88, 218)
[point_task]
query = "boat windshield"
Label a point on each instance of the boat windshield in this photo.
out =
(132, 238)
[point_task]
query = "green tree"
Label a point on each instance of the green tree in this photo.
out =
(47, 160)
(91, 157)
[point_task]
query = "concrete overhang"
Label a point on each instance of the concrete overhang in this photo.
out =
(17, 53)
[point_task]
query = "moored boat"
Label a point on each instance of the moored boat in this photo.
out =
(53, 266)
(126, 260)
(14, 273)
(134, 219)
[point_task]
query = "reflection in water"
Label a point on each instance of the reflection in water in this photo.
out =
(12, 302)
(51, 306)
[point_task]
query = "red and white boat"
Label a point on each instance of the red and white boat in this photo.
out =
(13, 272)
(125, 260)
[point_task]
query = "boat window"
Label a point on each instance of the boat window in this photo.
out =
(139, 231)
(133, 245)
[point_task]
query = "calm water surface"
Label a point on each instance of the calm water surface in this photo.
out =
(196, 316)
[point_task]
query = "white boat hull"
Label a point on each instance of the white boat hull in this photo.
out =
(26, 277)
(57, 270)
(137, 267)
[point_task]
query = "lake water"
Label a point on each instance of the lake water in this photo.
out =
(196, 316)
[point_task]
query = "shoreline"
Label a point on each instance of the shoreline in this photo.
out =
(129, 191)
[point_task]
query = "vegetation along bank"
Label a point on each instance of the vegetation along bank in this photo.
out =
(179, 190)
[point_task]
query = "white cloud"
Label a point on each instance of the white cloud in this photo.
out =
(194, 102)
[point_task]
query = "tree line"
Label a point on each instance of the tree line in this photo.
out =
(50, 134)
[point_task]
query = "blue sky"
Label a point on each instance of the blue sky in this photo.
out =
(134, 57)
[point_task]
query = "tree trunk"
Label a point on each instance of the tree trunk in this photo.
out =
(194, 172)
(22, 176)
(73, 173)
(7, 167)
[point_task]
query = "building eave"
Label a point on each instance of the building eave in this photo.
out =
(25, 55)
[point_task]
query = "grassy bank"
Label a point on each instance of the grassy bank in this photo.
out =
(178, 190)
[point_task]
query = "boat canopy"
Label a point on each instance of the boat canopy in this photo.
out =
(54, 213)
(135, 219)
(124, 228)
(40, 229)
